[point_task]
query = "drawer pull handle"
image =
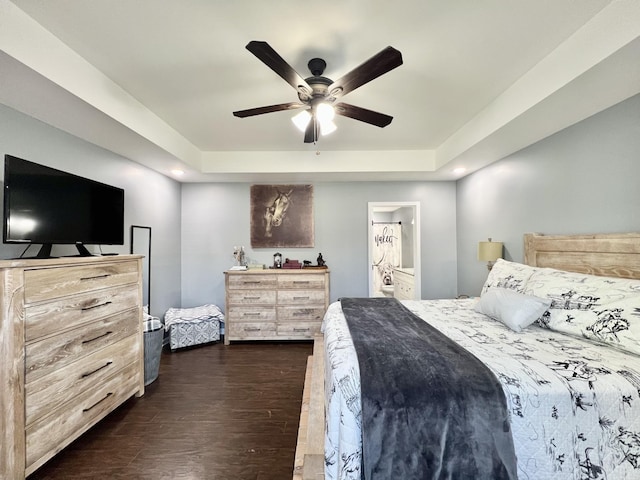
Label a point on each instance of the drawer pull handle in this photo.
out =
(82, 279)
(85, 410)
(300, 329)
(251, 314)
(85, 375)
(251, 298)
(301, 298)
(249, 282)
(303, 282)
(98, 337)
(84, 309)
(252, 329)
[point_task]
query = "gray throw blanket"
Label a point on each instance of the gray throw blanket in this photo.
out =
(430, 409)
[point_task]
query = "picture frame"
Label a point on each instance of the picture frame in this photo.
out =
(282, 216)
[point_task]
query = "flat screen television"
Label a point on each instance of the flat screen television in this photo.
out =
(46, 206)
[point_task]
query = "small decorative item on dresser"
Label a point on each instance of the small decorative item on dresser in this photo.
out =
(321, 265)
(288, 263)
(239, 255)
(277, 260)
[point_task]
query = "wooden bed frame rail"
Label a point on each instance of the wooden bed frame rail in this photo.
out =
(309, 458)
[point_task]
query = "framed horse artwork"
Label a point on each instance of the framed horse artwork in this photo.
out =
(282, 216)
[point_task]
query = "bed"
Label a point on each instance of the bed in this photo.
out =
(569, 379)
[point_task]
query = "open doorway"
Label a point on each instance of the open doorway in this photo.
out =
(394, 250)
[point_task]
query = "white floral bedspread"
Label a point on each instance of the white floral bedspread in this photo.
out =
(574, 405)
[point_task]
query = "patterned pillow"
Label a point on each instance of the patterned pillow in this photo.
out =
(616, 324)
(603, 309)
(511, 275)
(579, 291)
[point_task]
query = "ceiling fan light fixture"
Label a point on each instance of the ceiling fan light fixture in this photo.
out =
(325, 112)
(327, 127)
(301, 120)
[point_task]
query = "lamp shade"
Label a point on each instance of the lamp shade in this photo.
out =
(489, 251)
(301, 120)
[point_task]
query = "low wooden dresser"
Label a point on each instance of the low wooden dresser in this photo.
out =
(71, 351)
(275, 304)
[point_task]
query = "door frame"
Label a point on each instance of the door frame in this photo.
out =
(377, 206)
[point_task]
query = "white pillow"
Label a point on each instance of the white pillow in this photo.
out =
(516, 310)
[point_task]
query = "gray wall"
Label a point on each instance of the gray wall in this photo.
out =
(196, 226)
(584, 179)
(215, 218)
(151, 199)
(581, 180)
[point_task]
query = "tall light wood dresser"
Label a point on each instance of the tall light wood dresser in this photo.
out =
(71, 351)
(275, 304)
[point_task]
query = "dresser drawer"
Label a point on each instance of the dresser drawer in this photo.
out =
(50, 354)
(251, 314)
(250, 297)
(49, 283)
(297, 297)
(70, 381)
(251, 331)
(302, 281)
(52, 433)
(301, 313)
(298, 330)
(249, 281)
(47, 318)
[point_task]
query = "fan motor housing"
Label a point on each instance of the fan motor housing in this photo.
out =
(319, 88)
(317, 66)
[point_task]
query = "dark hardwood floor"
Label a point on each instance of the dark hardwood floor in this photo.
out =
(216, 412)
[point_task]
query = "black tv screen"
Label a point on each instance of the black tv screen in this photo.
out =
(43, 205)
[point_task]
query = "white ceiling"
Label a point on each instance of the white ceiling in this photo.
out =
(157, 81)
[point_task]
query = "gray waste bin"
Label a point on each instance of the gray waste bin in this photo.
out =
(153, 336)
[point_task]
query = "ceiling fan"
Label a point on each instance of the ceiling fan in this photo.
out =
(320, 96)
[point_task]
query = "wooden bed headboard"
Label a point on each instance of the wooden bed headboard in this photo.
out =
(608, 255)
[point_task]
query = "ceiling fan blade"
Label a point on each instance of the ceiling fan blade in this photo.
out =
(379, 64)
(311, 132)
(268, 109)
(358, 113)
(275, 62)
